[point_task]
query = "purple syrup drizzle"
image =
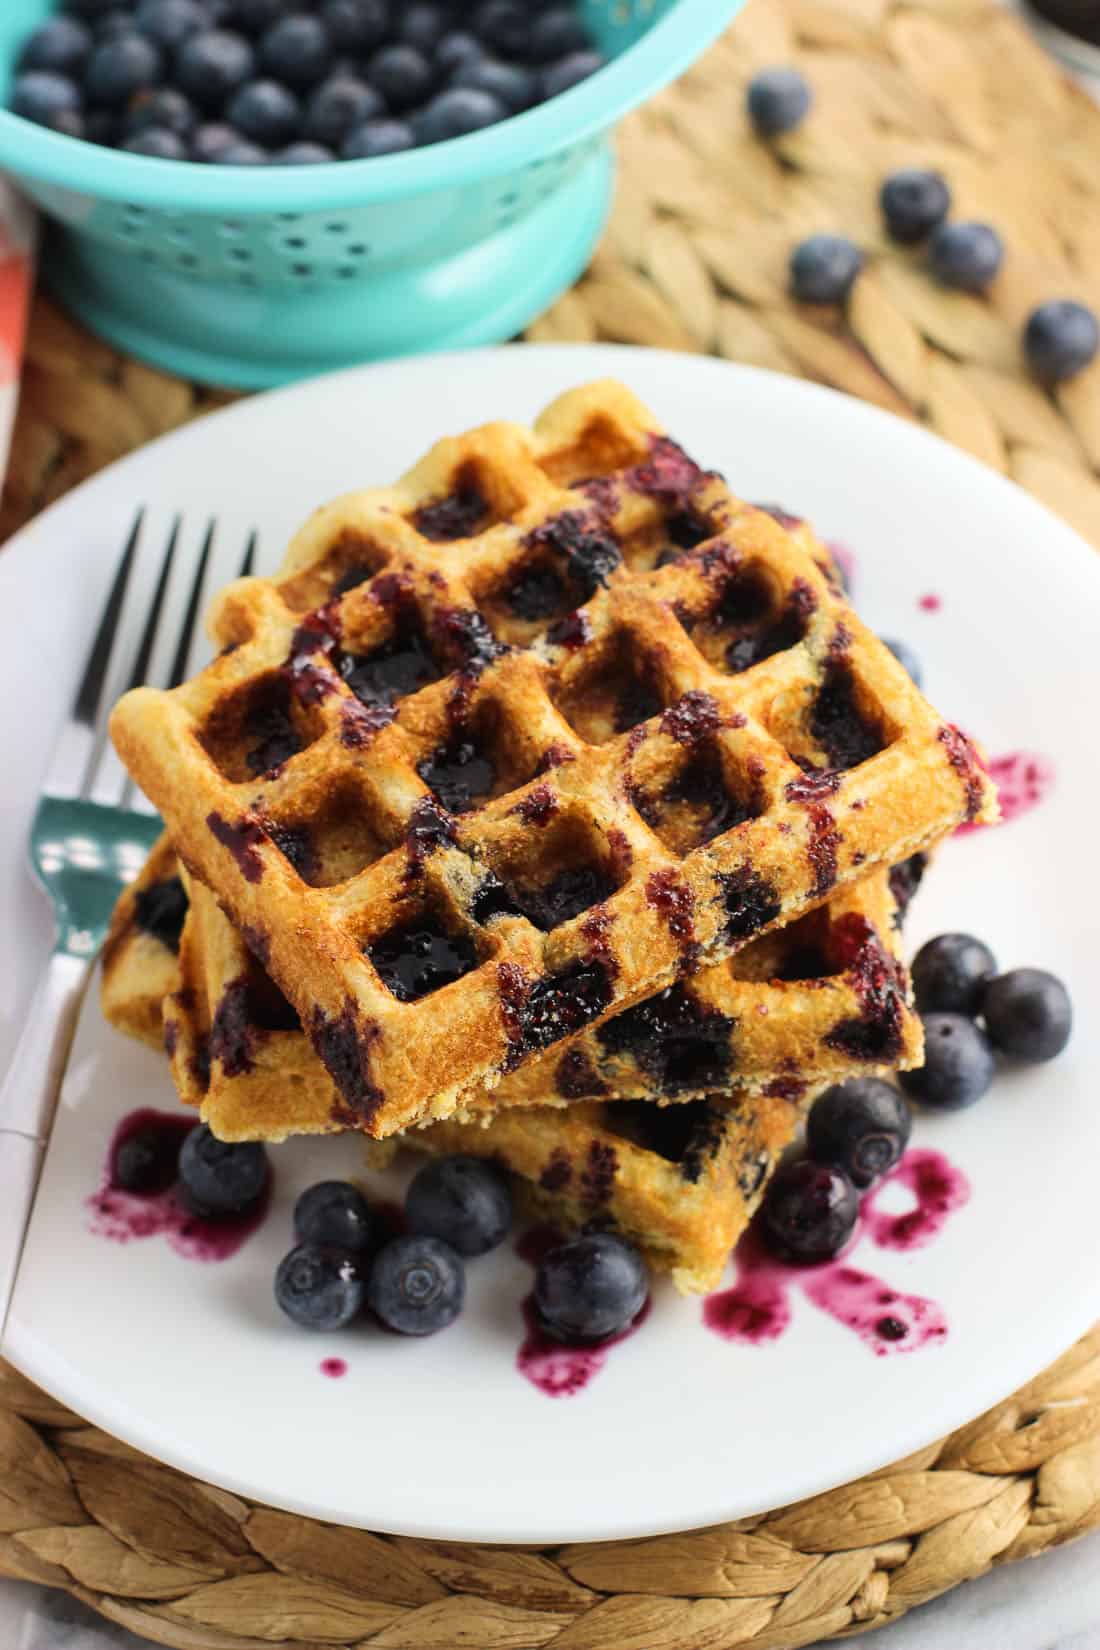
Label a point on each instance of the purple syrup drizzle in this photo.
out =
(1023, 780)
(931, 603)
(757, 1308)
(845, 560)
(559, 1371)
(123, 1216)
(334, 1368)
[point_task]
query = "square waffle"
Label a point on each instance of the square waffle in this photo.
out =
(504, 749)
(824, 998)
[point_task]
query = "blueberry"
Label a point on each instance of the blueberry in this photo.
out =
(511, 85)
(421, 25)
(862, 1126)
(296, 50)
(965, 255)
(147, 1160)
(569, 71)
(240, 152)
(210, 139)
(590, 1289)
(336, 1212)
(158, 142)
(265, 111)
(1028, 1014)
(210, 66)
(463, 1200)
(377, 137)
(810, 1211)
(950, 974)
(1060, 339)
(100, 126)
(75, 123)
(455, 47)
(303, 154)
(402, 75)
(557, 32)
(170, 22)
(219, 1178)
(320, 1287)
(356, 25)
(823, 269)
(905, 656)
(417, 1285)
(113, 25)
(505, 24)
(45, 98)
(778, 100)
(60, 46)
(258, 15)
(913, 203)
(167, 110)
(958, 1064)
(337, 107)
(456, 112)
(119, 68)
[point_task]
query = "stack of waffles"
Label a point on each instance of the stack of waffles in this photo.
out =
(552, 805)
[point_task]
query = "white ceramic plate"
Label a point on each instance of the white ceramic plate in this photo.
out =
(194, 1364)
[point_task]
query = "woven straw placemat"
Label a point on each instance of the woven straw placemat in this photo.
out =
(694, 259)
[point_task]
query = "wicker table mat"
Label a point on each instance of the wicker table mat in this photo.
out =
(694, 259)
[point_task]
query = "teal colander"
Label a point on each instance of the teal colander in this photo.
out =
(246, 277)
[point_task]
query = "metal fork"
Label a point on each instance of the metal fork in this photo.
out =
(83, 852)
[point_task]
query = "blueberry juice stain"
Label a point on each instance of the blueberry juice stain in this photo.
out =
(122, 1215)
(756, 1309)
(1023, 780)
(554, 1369)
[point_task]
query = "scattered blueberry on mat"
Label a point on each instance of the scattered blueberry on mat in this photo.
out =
(463, 1200)
(965, 255)
(778, 100)
(950, 974)
(958, 1064)
(810, 1211)
(590, 1289)
(1028, 1014)
(320, 1287)
(334, 1212)
(905, 656)
(416, 1285)
(218, 1178)
(1061, 338)
(913, 202)
(862, 1127)
(823, 269)
(296, 84)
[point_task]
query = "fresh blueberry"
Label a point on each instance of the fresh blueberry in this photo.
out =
(113, 25)
(258, 15)
(417, 1285)
(46, 98)
(320, 1287)
(265, 111)
(965, 255)
(456, 112)
(421, 25)
(511, 85)
(455, 47)
(862, 1126)
(119, 68)
(356, 25)
(296, 49)
(60, 46)
(75, 123)
(210, 139)
(166, 109)
(158, 142)
(905, 656)
(950, 974)
(100, 126)
(778, 100)
(810, 1211)
(823, 269)
(303, 153)
(463, 1200)
(378, 137)
(569, 71)
(1060, 339)
(505, 24)
(557, 32)
(336, 1212)
(240, 152)
(913, 203)
(170, 22)
(402, 75)
(210, 66)
(1028, 1014)
(590, 1289)
(147, 1160)
(337, 107)
(958, 1064)
(219, 1178)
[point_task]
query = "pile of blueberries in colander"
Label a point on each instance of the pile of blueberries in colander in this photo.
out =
(293, 82)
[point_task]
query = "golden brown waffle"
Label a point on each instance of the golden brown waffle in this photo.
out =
(139, 962)
(700, 752)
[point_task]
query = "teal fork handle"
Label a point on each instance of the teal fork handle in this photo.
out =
(28, 1101)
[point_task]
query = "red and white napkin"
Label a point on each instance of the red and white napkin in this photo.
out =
(18, 239)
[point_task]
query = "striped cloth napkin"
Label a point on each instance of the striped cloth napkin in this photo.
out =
(18, 239)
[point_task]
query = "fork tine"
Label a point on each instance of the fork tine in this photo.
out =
(249, 561)
(86, 708)
(183, 647)
(145, 648)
